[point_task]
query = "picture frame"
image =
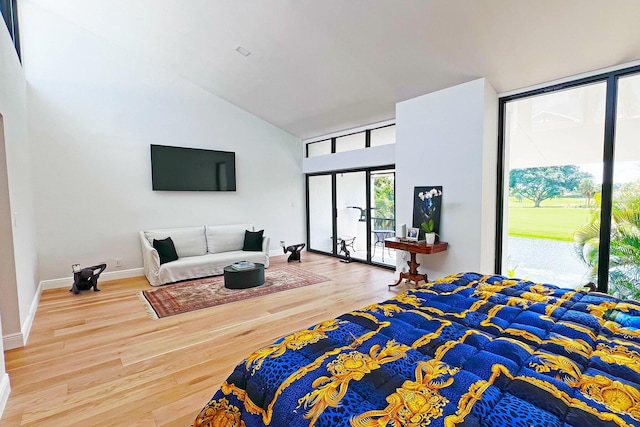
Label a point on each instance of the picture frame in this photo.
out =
(413, 234)
(427, 206)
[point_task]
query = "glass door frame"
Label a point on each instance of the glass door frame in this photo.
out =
(334, 210)
(611, 79)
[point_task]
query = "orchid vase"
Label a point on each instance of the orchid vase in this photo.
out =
(430, 238)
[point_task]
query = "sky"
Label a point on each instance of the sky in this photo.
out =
(623, 172)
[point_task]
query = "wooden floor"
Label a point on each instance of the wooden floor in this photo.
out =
(97, 359)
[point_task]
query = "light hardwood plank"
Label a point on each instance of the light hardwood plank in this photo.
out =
(97, 359)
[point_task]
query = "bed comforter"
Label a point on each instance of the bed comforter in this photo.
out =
(465, 350)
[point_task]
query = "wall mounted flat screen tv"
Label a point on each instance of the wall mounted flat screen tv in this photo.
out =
(192, 169)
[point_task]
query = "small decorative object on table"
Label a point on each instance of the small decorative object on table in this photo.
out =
(243, 265)
(402, 232)
(294, 249)
(429, 234)
(86, 278)
(412, 234)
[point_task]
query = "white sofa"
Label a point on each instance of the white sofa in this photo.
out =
(202, 251)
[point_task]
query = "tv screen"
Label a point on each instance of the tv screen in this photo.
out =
(192, 169)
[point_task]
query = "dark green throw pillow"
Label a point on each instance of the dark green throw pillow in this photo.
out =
(166, 249)
(253, 241)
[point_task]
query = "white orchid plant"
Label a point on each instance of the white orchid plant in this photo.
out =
(434, 192)
(427, 226)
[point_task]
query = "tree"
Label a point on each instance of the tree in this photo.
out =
(624, 253)
(587, 188)
(383, 197)
(538, 184)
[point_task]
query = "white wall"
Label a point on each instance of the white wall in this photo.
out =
(364, 158)
(449, 138)
(18, 258)
(94, 110)
(18, 261)
(9, 301)
(8, 284)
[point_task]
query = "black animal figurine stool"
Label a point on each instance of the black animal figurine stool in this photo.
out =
(87, 278)
(343, 248)
(295, 251)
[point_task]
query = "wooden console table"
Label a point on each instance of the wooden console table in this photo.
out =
(414, 248)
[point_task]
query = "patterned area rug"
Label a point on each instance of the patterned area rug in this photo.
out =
(196, 294)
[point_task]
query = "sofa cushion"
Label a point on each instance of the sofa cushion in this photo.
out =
(225, 238)
(252, 240)
(166, 250)
(188, 241)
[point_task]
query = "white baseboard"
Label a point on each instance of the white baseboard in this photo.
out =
(11, 341)
(66, 282)
(17, 340)
(28, 322)
(5, 390)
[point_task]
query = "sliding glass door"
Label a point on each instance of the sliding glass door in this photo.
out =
(352, 211)
(555, 145)
(319, 217)
(570, 191)
(383, 215)
(624, 247)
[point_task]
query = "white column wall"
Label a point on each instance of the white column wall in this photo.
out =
(94, 109)
(18, 257)
(449, 138)
(18, 261)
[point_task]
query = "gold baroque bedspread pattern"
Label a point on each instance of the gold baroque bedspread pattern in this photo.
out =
(468, 350)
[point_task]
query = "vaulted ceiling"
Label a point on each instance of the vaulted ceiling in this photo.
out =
(318, 66)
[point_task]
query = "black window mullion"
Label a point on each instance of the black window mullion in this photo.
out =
(14, 27)
(607, 184)
(10, 14)
(368, 207)
(334, 209)
(500, 185)
(5, 7)
(306, 179)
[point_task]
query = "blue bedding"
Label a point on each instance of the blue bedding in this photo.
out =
(465, 350)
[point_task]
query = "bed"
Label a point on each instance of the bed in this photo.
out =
(465, 350)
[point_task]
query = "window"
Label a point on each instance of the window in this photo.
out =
(569, 194)
(555, 151)
(374, 137)
(383, 136)
(355, 141)
(9, 10)
(352, 211)
(319, 148)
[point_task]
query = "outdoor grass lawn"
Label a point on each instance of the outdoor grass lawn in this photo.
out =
(555, 219)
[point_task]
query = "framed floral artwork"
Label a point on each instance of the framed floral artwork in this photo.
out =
(427, 205)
